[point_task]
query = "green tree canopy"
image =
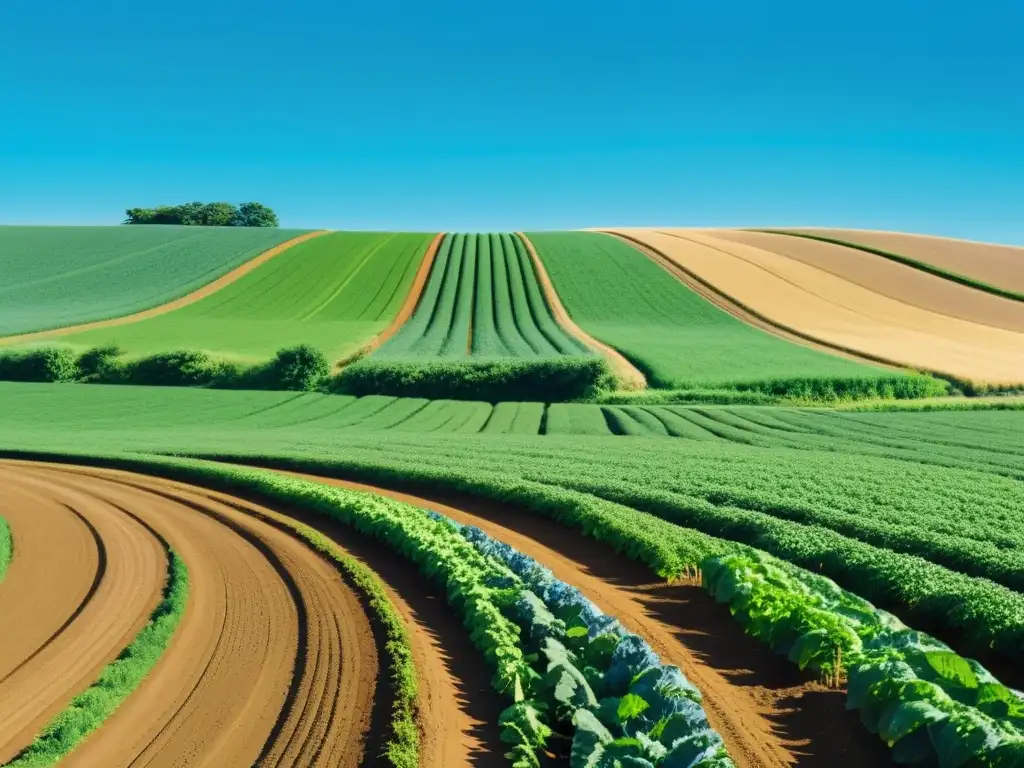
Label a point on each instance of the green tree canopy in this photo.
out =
(205, 215)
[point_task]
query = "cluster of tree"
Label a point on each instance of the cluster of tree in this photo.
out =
(205, 215)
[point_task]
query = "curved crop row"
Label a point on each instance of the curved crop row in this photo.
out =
(87, 711)
(6, 547)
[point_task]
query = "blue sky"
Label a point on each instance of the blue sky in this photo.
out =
(533, 114)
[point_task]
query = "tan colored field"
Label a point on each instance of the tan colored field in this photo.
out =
(890, 278)
(839, 312)
(998, 265)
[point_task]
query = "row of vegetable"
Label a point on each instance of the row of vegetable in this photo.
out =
(569, 671)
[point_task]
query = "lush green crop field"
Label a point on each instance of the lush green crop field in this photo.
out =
(922, 513)
(59, 276)
(482, 301)
(678, 339)
(334, 292)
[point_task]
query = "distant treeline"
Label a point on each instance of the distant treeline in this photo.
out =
(205, 215)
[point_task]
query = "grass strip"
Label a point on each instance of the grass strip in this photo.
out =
(89, 709)
(6, 547)
(970, 282)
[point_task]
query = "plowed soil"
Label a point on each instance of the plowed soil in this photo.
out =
(890, 278)
(768, 712)
(274, 661)
(998, 265)
(825, 307)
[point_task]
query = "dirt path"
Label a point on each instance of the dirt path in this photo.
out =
(723, 301)
(458, 708)
(412, 300)
(210, 288)
(628, 375)
(69, 622)
(890, 278)
(768, 712)
(274, 661)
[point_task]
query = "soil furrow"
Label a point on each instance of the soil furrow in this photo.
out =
(768, 712)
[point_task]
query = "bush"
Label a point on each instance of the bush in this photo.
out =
(555, 379)
(301, 368)
(184, 368)
(43, 364)
(98, 362)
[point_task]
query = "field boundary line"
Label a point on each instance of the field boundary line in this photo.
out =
(190, 298)
(628, 374)
(750, 316)
(906, 261)
(409, 306)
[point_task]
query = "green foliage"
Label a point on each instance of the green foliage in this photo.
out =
(6, 548)
(205, 215)
(58, 276)
(678, 339)
(98, 363)
(183, 368)
(43, 364)
(300, 368)
(87, 711)
(545, 380)
(333, 292)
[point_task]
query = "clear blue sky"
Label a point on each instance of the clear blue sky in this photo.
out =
(527, 114)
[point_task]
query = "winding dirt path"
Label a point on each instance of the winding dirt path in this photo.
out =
(768, 712)
(201, 293)
(628, 374)
(274, 662)
(83, 583)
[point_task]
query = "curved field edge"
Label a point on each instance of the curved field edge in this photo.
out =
(6, 548)
(478, 589)
(88, 710)
(629, 376)
(744, 313)
(955, 277)
(823, 629)
(401, 744)
(412, 301)
(190, 298)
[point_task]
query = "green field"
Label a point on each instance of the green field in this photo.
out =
(58, 276)
(482, 301)
(334, 292)
(866, 497)
(675, 337)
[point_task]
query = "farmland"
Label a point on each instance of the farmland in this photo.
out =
(57, 276)
(334, 292)
(482, 543)
(679, 339)
(482, 328)
(827, 308)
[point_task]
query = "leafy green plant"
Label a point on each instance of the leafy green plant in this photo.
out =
(44, 364)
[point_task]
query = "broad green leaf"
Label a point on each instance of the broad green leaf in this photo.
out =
(630, 707)
(952, 667)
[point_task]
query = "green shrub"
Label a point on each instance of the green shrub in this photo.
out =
(46, 364)
(98, 361)
(298, 368)
(184, 368)
(895, 387)
(554, 379)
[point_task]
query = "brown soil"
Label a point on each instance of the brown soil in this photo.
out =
(627, 374)
(82, 583)
(221, 282)
(842, 314)
(890, 278)
(999, 265)
(768, 712)
(409, 305)
(723, 301)
(274, 661)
